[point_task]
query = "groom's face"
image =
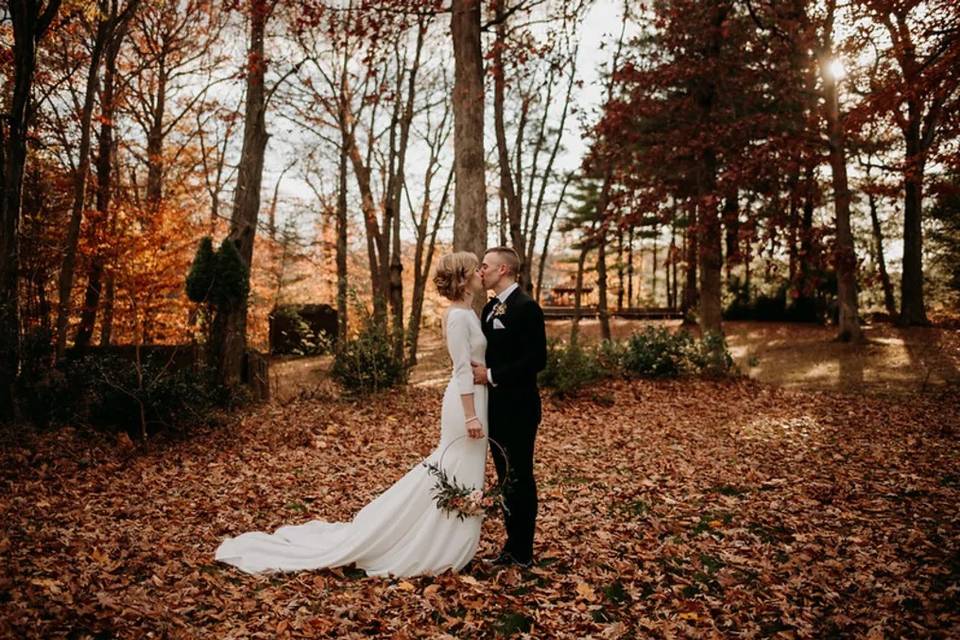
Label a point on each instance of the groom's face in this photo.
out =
(491, 270)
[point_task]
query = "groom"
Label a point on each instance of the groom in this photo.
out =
(516, 351)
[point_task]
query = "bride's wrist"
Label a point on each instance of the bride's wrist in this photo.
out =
(472, 419)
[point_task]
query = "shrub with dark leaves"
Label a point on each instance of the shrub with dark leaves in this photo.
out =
(368, 362)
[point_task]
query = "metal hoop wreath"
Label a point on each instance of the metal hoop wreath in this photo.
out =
(503, 452)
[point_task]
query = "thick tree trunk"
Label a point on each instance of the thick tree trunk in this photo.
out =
(602, 311)
(246, 207)
(845, 258)
(469, 202)
(30, 21)
(711, 254)
(912, 308)
(711, 264)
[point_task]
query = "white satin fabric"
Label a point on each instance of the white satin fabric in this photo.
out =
(401, 532)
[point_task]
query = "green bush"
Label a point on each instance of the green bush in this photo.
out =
(570, 366)
(656, 353)
(651, 353)
(368, 362)
(710, 355)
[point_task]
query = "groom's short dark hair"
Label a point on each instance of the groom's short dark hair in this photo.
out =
(509, 257)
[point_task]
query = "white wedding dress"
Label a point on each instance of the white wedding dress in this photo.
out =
(401, 532)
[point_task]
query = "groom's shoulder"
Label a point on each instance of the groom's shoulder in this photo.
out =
(526, 300)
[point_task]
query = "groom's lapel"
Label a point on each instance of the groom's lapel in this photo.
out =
(487, 308)
(515, 296)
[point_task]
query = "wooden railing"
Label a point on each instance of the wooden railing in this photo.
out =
(631, 313)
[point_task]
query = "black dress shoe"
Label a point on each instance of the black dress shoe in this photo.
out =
(502, 560)
(523, 564)
(507, 559)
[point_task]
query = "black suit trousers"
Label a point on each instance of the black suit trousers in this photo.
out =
(514, 418)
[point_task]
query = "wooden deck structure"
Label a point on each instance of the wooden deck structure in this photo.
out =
(552, 312)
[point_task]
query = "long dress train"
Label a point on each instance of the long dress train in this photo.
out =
(401, 532)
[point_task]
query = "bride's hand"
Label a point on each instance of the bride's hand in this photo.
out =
(474, 429)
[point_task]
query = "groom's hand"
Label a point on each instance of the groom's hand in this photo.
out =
(479, 373)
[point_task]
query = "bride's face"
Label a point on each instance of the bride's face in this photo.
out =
(475, 283)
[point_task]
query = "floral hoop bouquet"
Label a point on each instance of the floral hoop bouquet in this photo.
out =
(461, 500)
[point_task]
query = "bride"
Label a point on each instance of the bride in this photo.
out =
(402, 532)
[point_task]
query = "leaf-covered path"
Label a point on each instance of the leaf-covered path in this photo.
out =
(668, 509)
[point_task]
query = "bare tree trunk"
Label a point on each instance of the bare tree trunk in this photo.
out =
(888, 300)
(246, 207)
(845, 257)
(106, 325)
(578, 294)
(374, 243)
(105, 160)
(422, 263)
(68, 265)
(602, 311)
(534, 226)
(689, 301)
(653, 267)
(30, 21)
(395, 189)
(342, 224)
(155, 137)
(620, 270)
(469, 203)
(666, 275)
(711, 265)
(731, 224)
(630, 267)
(546, 238)
(793, 220)
(509, 192)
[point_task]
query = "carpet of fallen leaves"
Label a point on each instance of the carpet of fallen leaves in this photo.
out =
(698, 509)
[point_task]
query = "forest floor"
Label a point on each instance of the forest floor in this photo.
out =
(668, 509)
(688, 508)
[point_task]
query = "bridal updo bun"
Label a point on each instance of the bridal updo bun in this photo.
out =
(453, 273)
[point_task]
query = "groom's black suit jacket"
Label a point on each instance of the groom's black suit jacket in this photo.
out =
(515, 355)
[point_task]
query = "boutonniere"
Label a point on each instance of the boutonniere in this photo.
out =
(499, 309)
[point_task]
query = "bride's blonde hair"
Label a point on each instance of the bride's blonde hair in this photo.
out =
(453, 273)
